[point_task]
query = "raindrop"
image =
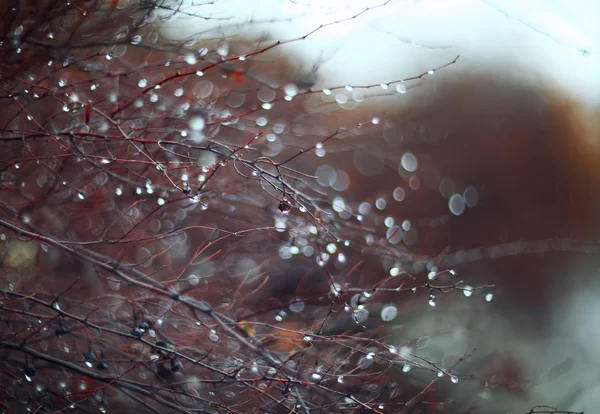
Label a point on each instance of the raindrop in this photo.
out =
(178, 92)
(266, 95)
(409, 162)
(489, 297)
(471, 197)
(468, 291)
(235, 100)
(136, 39)
(203, 89)
(142, 83)
(456, 204)
(284, 206)
(389, 313)
(360, 315)
(454, 379)
(223, 50)
(297, 306)
(400, 88)
(394, 234)
(197, 123)
(365, 362)
(290, 89)
(190, 59)
(399, 194)
(423, 341)
(364, 208)
(341, 98)
(358, 96)
(447, 187)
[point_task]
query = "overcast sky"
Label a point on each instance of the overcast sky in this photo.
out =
(553, 42)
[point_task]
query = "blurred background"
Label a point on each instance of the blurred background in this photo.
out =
(507, 147)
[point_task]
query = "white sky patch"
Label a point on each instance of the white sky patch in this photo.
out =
(552, 41)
